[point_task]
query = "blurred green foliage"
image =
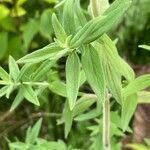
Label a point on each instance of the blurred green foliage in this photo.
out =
(25, 25)
(134, 31)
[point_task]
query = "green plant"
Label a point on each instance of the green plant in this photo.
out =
(140, 146)
(32, 142)
(91, 56)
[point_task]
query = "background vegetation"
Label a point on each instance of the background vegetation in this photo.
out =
(25, 25)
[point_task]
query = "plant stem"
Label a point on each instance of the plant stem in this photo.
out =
(94, 8)
(106, 124)
(106, 106)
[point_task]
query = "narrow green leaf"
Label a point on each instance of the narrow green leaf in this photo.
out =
(68, 17)
(9, 90)
(113, 82)
(79, 15)
(13, 69)
(3, 91)
(118, 3)
(84, 103)
(128, 108)
(24, 72)
(44, 53)
(33, 135)
(94, 72)
(59, 88)
(4, 75)
(82, 77)
(144, 97)
(72, 78)
(137, 147)
(68, 118)
(137, 85)
(89, 115)
(46, 28)
(42, 70)
(114, 66)
(18, 99)
(29, 31)
(82, 34)
(17, 145)
(99, 25)
(126, 70)
(46, 66)
(147, 47)
(117, 63)
(59, 31)
(30, 95)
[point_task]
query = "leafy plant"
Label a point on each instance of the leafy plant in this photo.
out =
(90, 56)
(33, 142)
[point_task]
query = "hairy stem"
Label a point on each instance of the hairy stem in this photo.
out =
(106, 124)
(106, 106)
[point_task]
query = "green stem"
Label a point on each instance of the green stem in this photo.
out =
(106, 104)
(94, 8)
(106, 124)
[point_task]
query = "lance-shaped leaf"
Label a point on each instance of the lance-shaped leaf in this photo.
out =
(4, 75)
(59, 31)
(94, 72)
(84, 103)
(30, 95)
(82, 77)
(9, 90)
(147, 47)
(136, 146)
(46, 66)
(82, 34)
(72, 78)
(58, 88)
(99, 25)
(30, 29)
(32, 136)
(26, 71)
(17, 145)
(47, 52)
(13, 69)
(68, 17)
(137, 85)
(126, 70)
(116, 4)
(68, 118)
(114, 66)
(3, 91)
(111, 64)
(42, 70)
(128, 108)
(18, 99)
(117, 63)
(80, 18)
(89, 115)
(113, 82)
